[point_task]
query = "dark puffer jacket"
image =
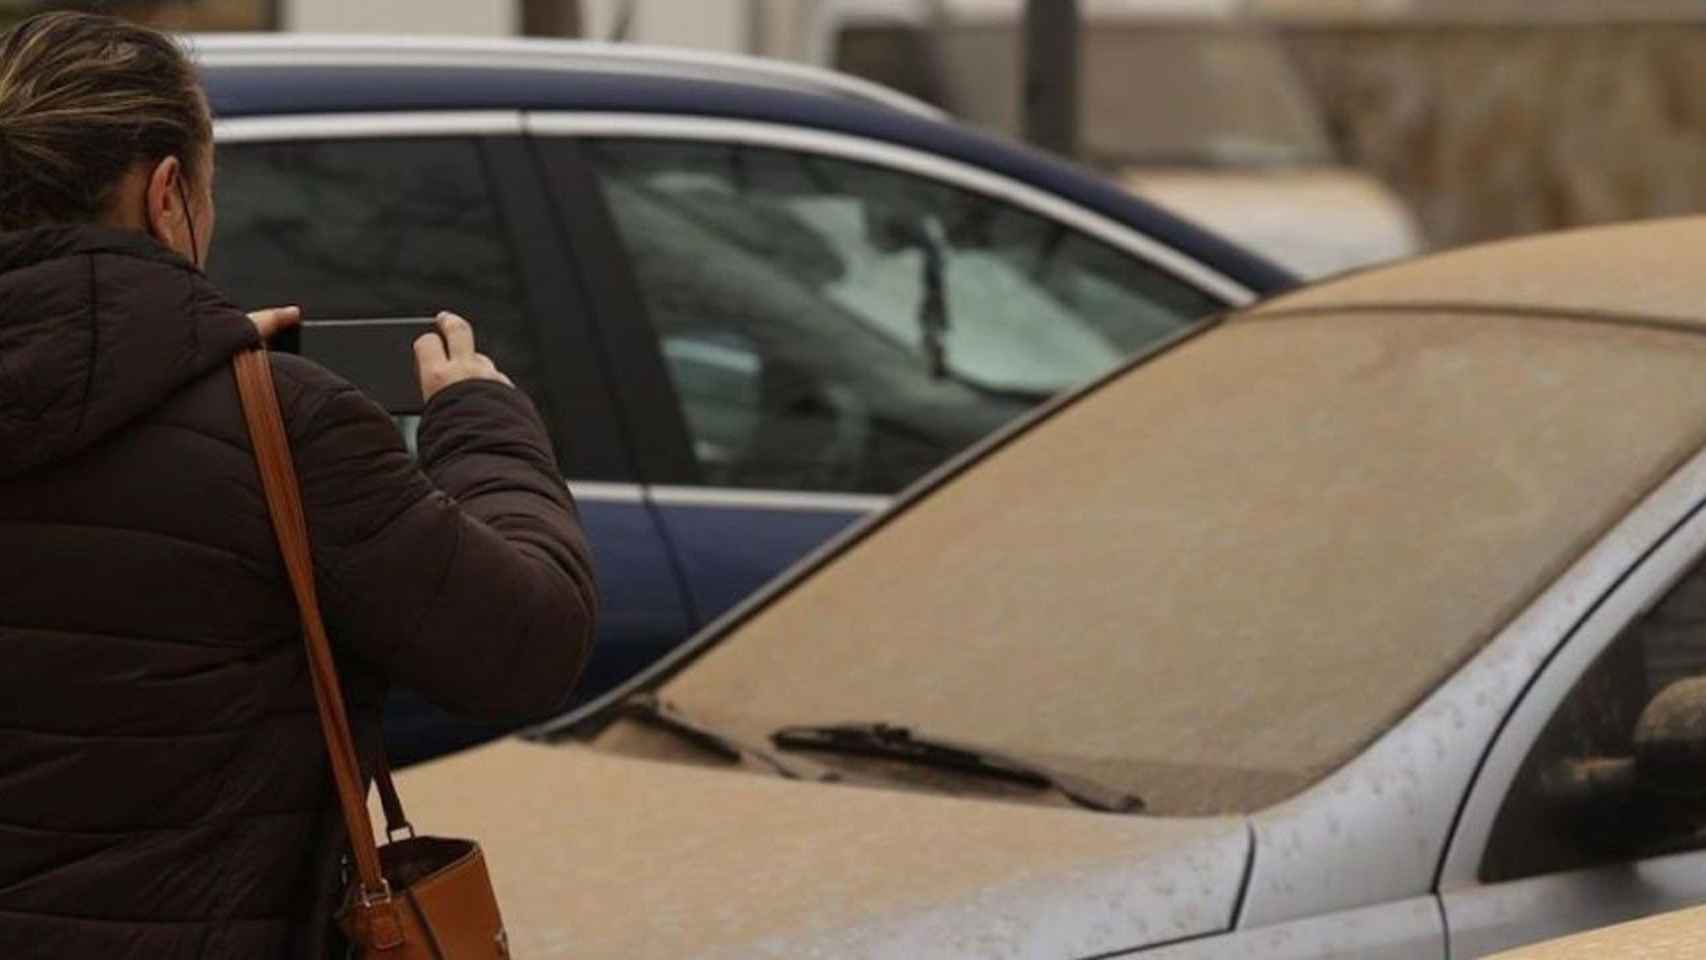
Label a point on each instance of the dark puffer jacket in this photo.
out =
(163, 788)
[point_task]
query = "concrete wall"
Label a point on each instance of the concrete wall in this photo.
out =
(458, 17)
(723, 25)
(168, 14)
(1490, 131)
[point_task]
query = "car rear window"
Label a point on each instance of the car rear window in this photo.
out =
(370, 228)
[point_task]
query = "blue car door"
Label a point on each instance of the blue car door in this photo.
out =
(732, 542)
(814, 322)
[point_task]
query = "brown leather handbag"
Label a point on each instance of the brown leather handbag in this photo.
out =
(419, 898)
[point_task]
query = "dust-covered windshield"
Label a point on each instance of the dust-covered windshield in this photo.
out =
(1222, 574)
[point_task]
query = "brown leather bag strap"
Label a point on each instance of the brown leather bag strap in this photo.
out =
(284, 502)
(395, 819)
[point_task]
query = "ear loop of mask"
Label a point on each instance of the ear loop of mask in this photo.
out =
(189, 220)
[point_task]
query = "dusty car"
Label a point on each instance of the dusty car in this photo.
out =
(1367, 621)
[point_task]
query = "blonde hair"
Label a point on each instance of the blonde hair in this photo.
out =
(83, 98)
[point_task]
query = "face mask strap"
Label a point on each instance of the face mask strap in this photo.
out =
(189, 219)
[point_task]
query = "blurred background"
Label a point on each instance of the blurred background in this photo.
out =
(1483, 118)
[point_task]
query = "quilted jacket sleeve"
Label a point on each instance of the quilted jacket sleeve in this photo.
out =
(465, 577)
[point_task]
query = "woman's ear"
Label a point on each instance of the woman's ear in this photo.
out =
(164, 215)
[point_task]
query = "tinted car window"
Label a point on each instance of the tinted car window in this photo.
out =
(373, 228)
(832, 325)
(1547, 825)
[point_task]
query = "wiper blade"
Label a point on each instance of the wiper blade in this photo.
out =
(901, 743)
(649, 708)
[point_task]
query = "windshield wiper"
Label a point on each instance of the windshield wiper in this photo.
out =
(648, 708)
(900, 743)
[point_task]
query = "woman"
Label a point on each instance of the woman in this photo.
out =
(163, 787)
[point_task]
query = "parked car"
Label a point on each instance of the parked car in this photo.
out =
(1369, 621)
(1190, 103)
(753, 301)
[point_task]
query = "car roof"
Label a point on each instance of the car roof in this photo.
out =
(235, 49)
(1311, 514)
(270, 76)
(1647, 272)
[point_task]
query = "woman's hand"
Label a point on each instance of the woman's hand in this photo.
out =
(449, 357)
(274, 319)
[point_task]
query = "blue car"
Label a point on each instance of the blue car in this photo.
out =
(752, 301)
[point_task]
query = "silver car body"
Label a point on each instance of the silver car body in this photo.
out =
(601, 854)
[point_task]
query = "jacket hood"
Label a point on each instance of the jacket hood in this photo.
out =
(724, 863)
(98, 327)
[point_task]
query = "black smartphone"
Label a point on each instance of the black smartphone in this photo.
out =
(377, 355)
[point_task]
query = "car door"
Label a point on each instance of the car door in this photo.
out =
(359, 216)
(830, 318)
(1548, 842)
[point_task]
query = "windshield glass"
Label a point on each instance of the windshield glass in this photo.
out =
(1153, 94)
(1220, 575)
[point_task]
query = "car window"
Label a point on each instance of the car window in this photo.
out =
(362, 229)
(832, 325)
(1544, 826)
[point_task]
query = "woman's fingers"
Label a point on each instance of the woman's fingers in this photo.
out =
(449, 357)
(458, 335)
(273, 319)
(441, 358)
(431, 363)
(429, 351)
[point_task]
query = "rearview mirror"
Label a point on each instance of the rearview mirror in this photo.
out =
(1670, 741)
(893, 229)
(1668, 760)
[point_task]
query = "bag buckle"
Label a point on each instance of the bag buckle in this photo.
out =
(368, 899)
(407, 829)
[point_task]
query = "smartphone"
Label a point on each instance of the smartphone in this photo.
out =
(376, 355)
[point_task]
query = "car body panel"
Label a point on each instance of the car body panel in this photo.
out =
(1485, 917)
(1406, 930)
(1378, 830)
(1539, 908)
(732, 542)
(1670, 534)
(1628, 271)
(975, 879)
(643, 608)
(621, 59)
